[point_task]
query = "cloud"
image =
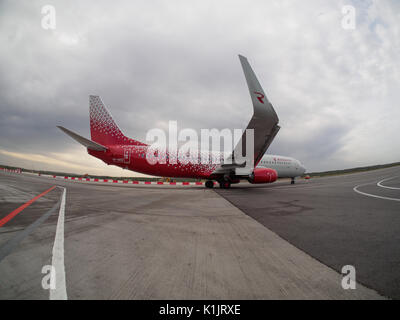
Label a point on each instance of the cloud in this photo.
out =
(335, 90)
(73, 162)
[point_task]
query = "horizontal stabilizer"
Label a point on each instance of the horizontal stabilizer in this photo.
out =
(86, 142)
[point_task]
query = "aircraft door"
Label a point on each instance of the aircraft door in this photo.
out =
(127, 155)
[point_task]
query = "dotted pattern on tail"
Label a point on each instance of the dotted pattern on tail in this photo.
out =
(103, 128)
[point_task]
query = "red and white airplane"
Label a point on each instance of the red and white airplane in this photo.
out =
(109, 144)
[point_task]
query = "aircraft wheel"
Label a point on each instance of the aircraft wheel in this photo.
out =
(209, 184)
(293, 181)
(225, 184)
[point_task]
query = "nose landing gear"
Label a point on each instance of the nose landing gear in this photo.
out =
(293, 181)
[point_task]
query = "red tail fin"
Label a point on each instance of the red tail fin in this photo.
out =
(103, 128)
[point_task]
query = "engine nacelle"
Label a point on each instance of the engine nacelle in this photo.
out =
(263, 175)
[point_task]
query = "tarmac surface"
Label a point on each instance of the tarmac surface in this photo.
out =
(335, 224)
(162, 242)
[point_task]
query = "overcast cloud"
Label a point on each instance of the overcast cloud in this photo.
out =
(336, 91)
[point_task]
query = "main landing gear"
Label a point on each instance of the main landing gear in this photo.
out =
(209, 184)
(224, 184)
(293, 181)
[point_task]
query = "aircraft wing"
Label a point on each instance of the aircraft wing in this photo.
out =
(264, 121)
(86, 142)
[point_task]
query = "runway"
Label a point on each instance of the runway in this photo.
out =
(159, 242)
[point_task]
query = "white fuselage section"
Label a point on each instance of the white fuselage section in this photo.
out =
(285, 166)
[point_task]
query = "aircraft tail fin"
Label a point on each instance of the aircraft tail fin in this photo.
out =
(103, 128)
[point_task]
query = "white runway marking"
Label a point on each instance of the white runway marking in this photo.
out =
(379, 184)
(372, 195)
(60, 292)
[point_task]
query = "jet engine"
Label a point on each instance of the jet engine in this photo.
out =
(263, 175)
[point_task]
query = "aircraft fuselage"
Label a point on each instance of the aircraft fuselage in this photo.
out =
(191, 166)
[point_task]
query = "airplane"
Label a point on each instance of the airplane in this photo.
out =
(110, 145)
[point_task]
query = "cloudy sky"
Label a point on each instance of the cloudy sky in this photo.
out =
(336, 91)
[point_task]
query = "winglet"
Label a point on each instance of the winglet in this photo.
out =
(264, 121)
(260, 101)
(86, 142)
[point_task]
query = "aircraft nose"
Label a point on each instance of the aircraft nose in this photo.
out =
(302, 168)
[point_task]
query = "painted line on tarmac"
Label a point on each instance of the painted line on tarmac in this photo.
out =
(60, 290)
(27, 204)
(7, 248)
(379, 184)
(372, 195)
